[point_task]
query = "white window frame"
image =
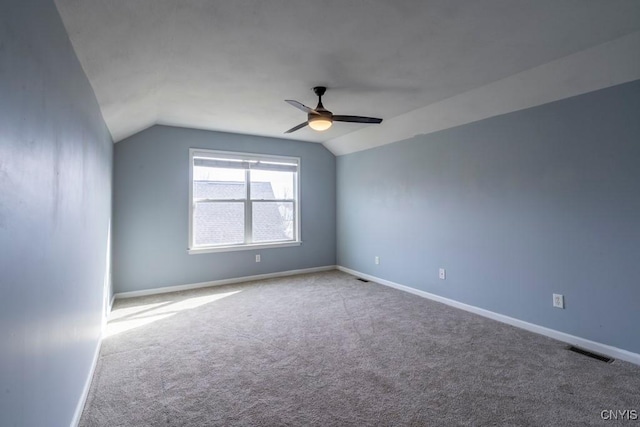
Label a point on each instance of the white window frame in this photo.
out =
(198, 152)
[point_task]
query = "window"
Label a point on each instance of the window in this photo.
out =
(242, 201)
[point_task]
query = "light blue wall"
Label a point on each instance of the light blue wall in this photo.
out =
(516, 207)
(55, 207)
(151, 208)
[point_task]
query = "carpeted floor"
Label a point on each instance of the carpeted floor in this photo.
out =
(327, 350)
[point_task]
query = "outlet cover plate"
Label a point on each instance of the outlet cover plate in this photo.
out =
(442, 274)
(558, 301)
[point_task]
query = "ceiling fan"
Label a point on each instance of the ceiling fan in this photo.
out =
(320, 118)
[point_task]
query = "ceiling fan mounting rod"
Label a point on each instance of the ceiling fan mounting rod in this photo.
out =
(319, 91)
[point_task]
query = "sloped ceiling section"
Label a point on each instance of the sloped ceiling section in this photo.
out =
(595, 68)
(228, 65)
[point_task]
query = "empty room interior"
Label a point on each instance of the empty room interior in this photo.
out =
(319, 213)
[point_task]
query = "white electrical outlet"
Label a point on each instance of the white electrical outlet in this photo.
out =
(558, 301)
(376, 260)
(258, 258)
(442, 274)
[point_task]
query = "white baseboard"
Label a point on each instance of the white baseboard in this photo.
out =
(607, 350)
(87, 385)
(167, 289)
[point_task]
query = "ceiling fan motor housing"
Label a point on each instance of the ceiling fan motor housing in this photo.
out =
(322, 114)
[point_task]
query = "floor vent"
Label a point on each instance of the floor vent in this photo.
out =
(590, 354)
(363, 280)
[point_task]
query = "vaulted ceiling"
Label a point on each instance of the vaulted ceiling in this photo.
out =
(228, 65)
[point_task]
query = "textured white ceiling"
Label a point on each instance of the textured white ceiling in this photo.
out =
(228, 65)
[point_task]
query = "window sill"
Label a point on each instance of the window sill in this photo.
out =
(206, 250)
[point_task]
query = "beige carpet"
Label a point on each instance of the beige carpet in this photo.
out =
(327, 350)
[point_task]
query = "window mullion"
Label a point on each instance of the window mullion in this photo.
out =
(248, 208)
(296, 207)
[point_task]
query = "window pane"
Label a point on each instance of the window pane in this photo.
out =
(269, 185)
(272, 221)
(218, 183)
(218, 223)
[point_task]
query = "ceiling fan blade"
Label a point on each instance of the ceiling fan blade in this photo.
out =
(356, 119)
(295, 128)
(301, 106)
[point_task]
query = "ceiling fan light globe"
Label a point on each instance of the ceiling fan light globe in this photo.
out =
(320, 123)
